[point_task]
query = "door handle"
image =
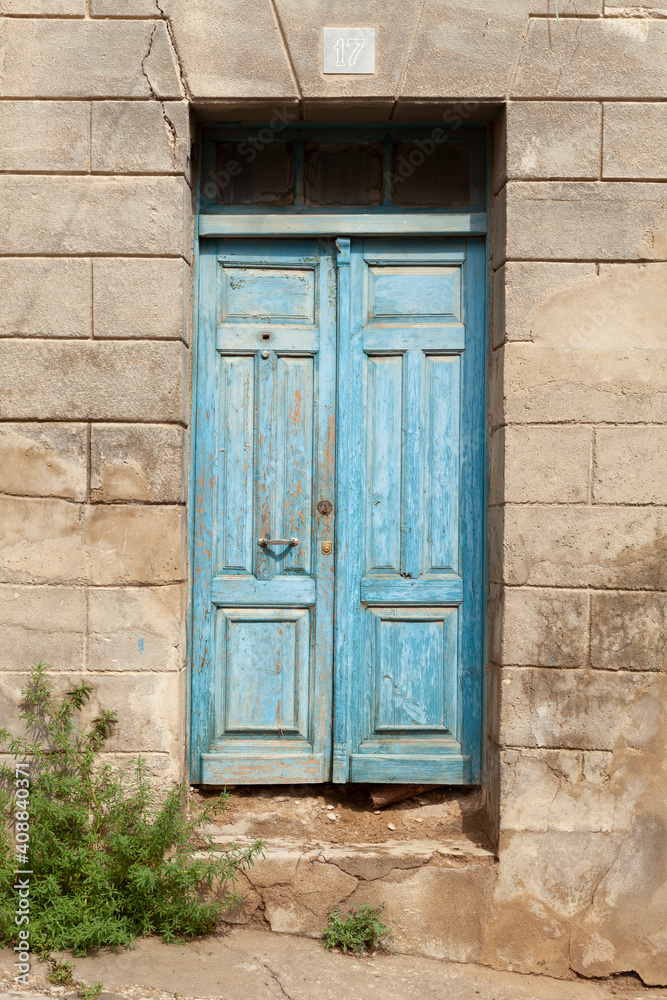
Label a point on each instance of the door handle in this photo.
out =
(263, 542)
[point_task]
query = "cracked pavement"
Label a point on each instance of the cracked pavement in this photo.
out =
(255, 965)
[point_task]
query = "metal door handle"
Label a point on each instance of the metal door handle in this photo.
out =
(263, 542)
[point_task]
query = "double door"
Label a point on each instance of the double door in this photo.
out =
(338, 579)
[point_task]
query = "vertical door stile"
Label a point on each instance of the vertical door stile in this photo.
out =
(202, 685)
(322, 680)
(411, 499)
(472, 520)
(343, 562)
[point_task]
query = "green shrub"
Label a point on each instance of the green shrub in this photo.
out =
(110, 860)
(360, 931)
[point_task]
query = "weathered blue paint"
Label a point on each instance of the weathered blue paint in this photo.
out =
(409, 538)
(410, 578)
(389, 222)
(262, 616)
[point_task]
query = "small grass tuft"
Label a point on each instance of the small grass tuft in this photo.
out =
(361, 931)
(92, 992)
(61, 973)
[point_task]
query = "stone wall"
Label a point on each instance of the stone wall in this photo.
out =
(95, 305)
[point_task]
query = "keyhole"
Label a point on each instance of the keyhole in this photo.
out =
(266, 336)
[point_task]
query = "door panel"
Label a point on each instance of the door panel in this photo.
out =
(410, 577)
(263, 614)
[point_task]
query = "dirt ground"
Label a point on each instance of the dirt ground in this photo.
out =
(341, 815)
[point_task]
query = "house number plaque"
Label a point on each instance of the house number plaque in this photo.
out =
(348, 50)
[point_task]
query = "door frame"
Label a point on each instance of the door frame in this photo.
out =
(339, 225)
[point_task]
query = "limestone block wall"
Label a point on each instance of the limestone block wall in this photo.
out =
(95, 305)
(578, 558)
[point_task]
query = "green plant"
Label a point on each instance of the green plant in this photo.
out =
(360, 931)
(61, 973)
(91, 992)
(110, 860)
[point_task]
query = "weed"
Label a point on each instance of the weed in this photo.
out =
(360, 931)
(110, 861)
(91, 992)
(61, 973)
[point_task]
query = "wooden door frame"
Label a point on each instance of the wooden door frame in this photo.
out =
(339, 226)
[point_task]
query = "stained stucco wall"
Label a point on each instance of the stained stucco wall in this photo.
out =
(95, 306)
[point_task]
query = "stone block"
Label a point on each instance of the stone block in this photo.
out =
(226, 54)
(603, 547)
(45, 298)
(544, 628)
(136, 462)
(54, 380)
(578, 709)
(298, 891)
(629, 631)
(579, 366)
(394, 24)
(129, 8)
(141, 297)
(545, 464)
(44, 460)
(450, 36)
(623, 927)
(165, 770)
(615, 220)
(635, 140)
(146, 137)
(545, 881)
(86, 58)
(44, 624)
(135, 628)
(542, 384)
(54, 541)
(434, 911)
(80, 215)
(131, 544)
(149, 708)
(551, 139)
(628, 469)
(635, 8)
(63, 8)
(527, 297)
(42, 541)
(547, 790)
(607, 57)
(44, 135)
(149, 712)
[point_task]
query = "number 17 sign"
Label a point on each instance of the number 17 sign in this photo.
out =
(348, 50)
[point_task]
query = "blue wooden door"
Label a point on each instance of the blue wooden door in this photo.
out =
(405, 391)
(263, 579)
(410, 569)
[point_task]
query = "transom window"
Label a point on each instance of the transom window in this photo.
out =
(287, 168)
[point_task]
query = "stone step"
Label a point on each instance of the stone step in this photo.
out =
(434, 893)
